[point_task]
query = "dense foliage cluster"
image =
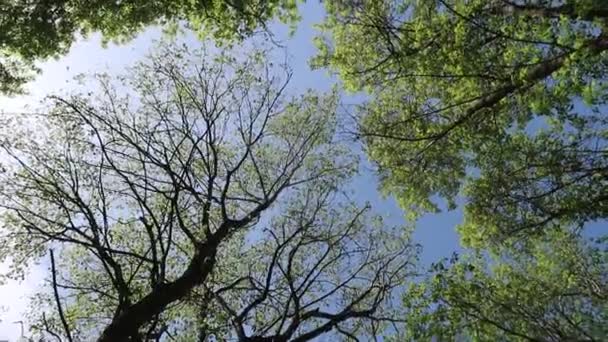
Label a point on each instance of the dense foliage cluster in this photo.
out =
(499, 105)
(39, 29)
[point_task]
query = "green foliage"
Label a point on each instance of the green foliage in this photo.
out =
(457, 89)
(195, 187)
(496, 104)
(34, 30)
(555, 292)
(499, 105)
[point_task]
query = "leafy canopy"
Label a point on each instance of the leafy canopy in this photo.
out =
(34, 30)
(499, 105)
(193, 198)
(556, 291)
(498, 102)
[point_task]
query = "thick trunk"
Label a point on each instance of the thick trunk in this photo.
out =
(128, 323)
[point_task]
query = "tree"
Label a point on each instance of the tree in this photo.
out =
(193, 199)
(558, 292)
(497, 101)
(34, 30)
(498, 105)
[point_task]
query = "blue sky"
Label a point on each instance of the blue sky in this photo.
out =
(435, 232)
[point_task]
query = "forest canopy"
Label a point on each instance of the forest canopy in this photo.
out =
(196, 197)
(205, 202)
(40, 29)
(498, 106)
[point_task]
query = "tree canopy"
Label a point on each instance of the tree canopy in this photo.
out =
(194, 198)
(555, 292)
(499, 102)
(35, 30)
(499, 106)
(199, 200)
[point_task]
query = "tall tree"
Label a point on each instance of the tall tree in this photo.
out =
(193, 197)
(39, 29)
(499, 105)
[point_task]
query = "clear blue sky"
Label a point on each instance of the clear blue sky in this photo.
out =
(435, 232)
